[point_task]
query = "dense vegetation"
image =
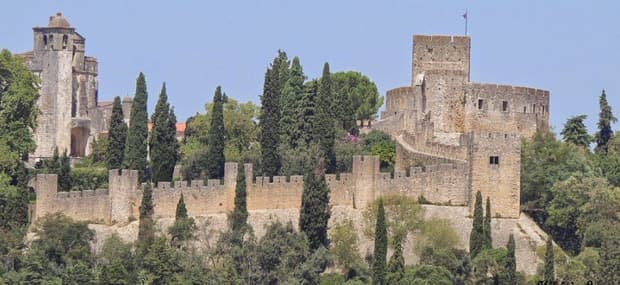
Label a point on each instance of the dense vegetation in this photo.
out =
(302, 127)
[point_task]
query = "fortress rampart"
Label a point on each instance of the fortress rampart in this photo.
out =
(442, 184)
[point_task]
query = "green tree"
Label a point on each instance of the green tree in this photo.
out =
(575, 131)
(380, 251)
(64, 174)
(476, 237)
(610, 258)
(488, 237)
(396, 266)
(239, 216)
(315, 212)
(510, 269)
(381, 144)
(605, 119)
(116, 261)
(62, 241)
(361, 91)
(291, 103)
(163, 144)
(117, 136)
(548, 270)
(215, 150)
(183, 228)
(137, 134)
(323, 129)
(269, 120)
(344, 245)
(146, 229)
(160, 262)
(78, 273)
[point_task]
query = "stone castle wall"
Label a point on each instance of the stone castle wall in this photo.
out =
(441, 183)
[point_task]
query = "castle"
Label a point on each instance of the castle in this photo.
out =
(71, 116)
(454, 138)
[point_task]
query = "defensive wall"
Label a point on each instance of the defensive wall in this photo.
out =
(441, 184)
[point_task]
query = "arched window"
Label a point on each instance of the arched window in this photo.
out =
(64, 41)
(45, 41)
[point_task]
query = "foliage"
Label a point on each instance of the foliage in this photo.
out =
(344, 245)
(381, 244)
(269, 120)
(183, 228)
(298, 161)
(117, 136)
(396, 265)
(137, 133)
(427, 274)
(64, 173)
(215, 148)
(549, 263)
(575, 131)
(163, 144)
(354, 87)
(315, 212)
(610, 257)
(476, 237)
(160, 263)
(146, 229)
(510, 268)
(323, 132)
(88, 178)
(380, 143)
(488, 236)
(239, 216)
(605, 119)
(62, 241)
(488, 265)
(403, 215)
(345, 148)
(293, 104)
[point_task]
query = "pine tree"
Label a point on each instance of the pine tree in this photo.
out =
(605, 119)
(510, 269)
(324, 133)
(575, 131)
(380, 252)
(146, 229)
(137, 134)
(291, 104)
(269, 120)
(162, 142)
(476, 237)
(114, 273)
(314, 213)
(64, 174)
(488, 239)
(183, 227)
(549, 271)
(239, 217)
(117, 136)
(215, 149)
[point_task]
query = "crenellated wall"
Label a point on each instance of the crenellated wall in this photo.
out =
(120, 203)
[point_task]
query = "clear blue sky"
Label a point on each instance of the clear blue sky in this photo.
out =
(570, 48)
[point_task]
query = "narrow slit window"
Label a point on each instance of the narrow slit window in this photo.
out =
(504, 106)
(64, 41)
(494, 160)
(480, 104)
(45, 41)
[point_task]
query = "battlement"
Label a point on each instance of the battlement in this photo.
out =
(436, 40)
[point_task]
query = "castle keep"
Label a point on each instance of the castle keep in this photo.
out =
(444, 117)
(70, 115)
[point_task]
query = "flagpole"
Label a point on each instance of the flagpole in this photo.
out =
(465, 21)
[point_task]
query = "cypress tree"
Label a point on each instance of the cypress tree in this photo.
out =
(181, 211)
(476, 237)
(239, 215)
(162, 142)
(117, 136)
(488, 239)
(396, 266)
(269, 119)
(510, 269)
(380, 252)
(314, 213)
(291, 120)
(183, 226)
(323, 132)
(146, 229)
(549, 271)
(64, 173)
(215, 148)
(605, 119)
(137, 134)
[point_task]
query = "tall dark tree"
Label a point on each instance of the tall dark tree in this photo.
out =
(64, 174)
(396, 266)
(183, 227)
(215, 149)
(605, 119)
(510, 269)
(291, 103)
(548, 270)
(52, 165)
(117, 136)
(269, 120)
(324, 133)
(575, 131)
(610, 258)
(137, 134)
(146, 229)
(239, 217)
(476, 237)
(380, 252)
(488, 238)
(314, 213)
(162, 142)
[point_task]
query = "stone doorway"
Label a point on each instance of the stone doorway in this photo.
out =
(79, 141)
